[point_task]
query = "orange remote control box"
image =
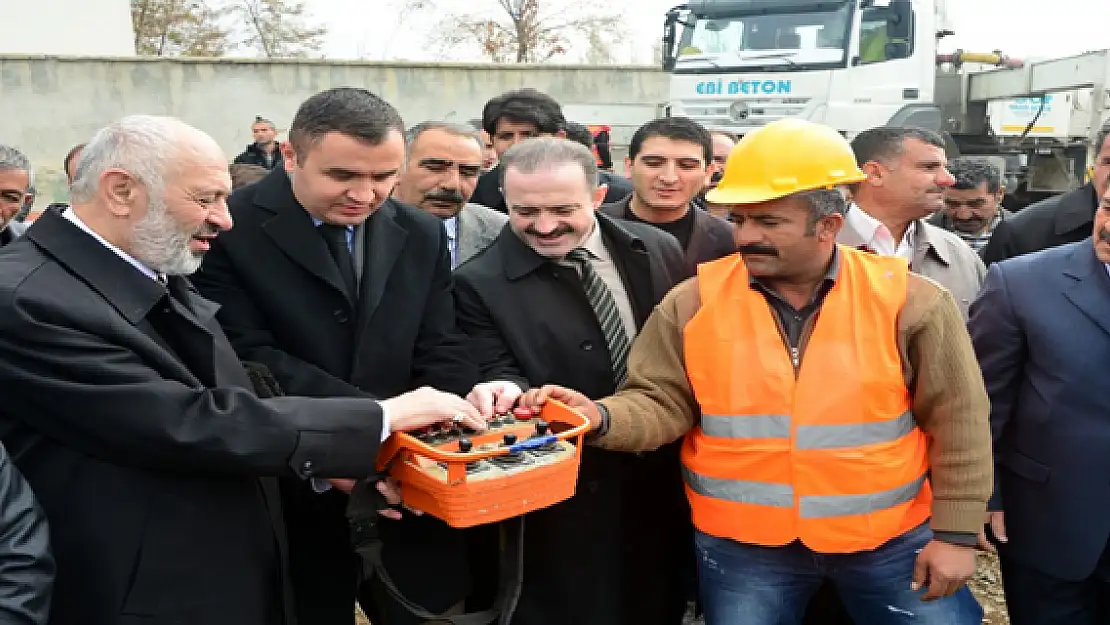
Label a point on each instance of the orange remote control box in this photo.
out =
(523, 462)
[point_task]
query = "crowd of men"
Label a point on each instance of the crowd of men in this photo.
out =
(821, 374)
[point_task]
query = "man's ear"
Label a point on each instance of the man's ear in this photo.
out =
(829, 226)
(599, 195)
(121, 191)
(875, 172)
(289, 155)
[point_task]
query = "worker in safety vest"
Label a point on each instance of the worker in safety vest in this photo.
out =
(835, 418)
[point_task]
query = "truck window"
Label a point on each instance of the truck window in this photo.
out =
(873, 39)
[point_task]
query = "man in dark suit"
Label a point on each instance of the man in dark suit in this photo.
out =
(1058, 220)
(129, 413)
(444, 162)
(1041, 330)
(15, 185)
(559, 296)
(671, 160)
(342, 292)
(515, 116)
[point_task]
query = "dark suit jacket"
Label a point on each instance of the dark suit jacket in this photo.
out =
(1058, 220)
(284, 305)
(711, 239)
(488, 191)
(530, 319)
(131, 417)
(1041, 329)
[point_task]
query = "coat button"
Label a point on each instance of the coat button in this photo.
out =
(341, 315)
(587, 345)
(307, 468)
(592, 486)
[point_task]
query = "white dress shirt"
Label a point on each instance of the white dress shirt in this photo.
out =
(146, 271)
(861, 229)
(606, 269)
(451, 225)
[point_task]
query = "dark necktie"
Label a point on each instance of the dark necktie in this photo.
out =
(336, 239)
(608, 315)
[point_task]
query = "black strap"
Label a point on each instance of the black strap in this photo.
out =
(362, 513)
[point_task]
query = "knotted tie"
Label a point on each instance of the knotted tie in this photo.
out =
(336, 239)
(608, 316)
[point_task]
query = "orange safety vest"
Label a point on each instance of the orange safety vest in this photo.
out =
(831, 455)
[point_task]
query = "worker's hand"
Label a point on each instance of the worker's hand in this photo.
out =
(998, 527)
(942, 567)
(494, 398)
(426, 406)
(535, 398)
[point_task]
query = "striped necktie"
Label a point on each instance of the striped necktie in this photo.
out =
(608, 316)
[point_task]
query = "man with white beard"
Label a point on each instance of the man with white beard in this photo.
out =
(129, 414)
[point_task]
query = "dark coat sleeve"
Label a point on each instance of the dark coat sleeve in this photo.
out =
(246, 327)
(98, 396)
(487, 344)
(26, 562)
(1000, 347)
(441, 358)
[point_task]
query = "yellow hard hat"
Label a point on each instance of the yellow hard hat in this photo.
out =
(785, 157)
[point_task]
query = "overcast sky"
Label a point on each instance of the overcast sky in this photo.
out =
(371, 29)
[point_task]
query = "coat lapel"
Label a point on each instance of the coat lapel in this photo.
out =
(292, 230)
(1090, 291)
(384, 243)
(634, 264)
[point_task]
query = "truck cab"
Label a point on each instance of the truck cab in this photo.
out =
(737, 65)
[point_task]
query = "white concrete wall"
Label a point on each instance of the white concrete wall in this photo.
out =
(50, 104)
(96, 27)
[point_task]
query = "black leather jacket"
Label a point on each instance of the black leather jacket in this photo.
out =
(26, 563)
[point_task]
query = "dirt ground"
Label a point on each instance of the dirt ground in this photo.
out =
(986, 585)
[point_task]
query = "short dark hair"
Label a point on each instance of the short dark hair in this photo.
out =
(972, 172)
(1102, 136)
(675, 129)
(580, 133)
(258, 119)
(885, 143)
(524, 106)
(68, 160)
(243, 174)
(349, 111)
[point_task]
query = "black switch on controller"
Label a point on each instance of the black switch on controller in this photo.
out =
(541, 428)
(465, 445)
(510, 439)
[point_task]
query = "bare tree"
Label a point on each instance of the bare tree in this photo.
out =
(279, 28)
(533, 31)
(179, 28)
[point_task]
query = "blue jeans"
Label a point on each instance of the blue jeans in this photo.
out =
(750, 585)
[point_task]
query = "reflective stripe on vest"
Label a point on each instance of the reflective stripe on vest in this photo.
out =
(809, 436)
(830, 454)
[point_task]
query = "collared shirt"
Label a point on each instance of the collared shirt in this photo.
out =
(979, 240)
(793, 320)
(603, 264)
(146, 271)
(451, 225)
(863, 230)
(350, 233)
